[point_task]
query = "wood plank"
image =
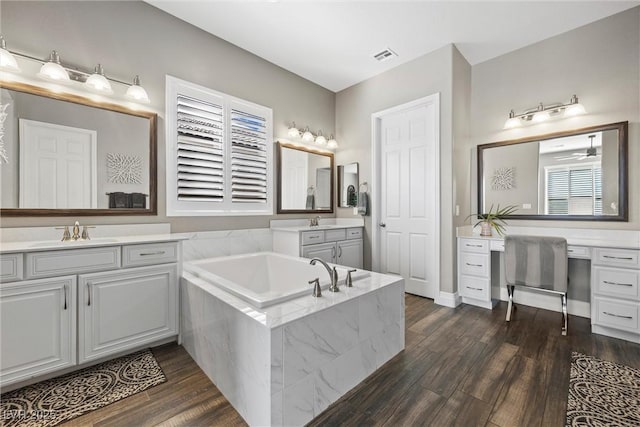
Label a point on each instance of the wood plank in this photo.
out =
(462, 410)
(486, 381)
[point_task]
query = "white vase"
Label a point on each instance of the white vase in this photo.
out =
(485, 229)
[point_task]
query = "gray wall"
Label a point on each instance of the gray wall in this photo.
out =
(131, 38)
(599, 62)
(421, 77)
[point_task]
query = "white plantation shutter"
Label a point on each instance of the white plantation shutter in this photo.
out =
(574, 190)
(219, 153)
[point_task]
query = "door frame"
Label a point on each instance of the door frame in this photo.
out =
(376, 205)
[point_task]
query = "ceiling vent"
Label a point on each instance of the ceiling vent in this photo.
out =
(385, 55)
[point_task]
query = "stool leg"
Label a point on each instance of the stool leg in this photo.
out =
(564, 314)
(510, 306)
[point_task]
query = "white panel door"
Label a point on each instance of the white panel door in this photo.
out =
(295, 179)
(120, 310)
(57, 166)
(409, 197)
(37, 327)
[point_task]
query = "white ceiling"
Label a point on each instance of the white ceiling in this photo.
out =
(332, 42)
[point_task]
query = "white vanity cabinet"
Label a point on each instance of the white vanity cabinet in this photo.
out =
(615, 293)
(84, 304)
(343, 246)
(37, 328)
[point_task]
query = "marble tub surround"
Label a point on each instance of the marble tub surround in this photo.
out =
(285, 364)
(212, 244)
(28, 239)
(296, 225)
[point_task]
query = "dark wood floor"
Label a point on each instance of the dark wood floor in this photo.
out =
(462, 366)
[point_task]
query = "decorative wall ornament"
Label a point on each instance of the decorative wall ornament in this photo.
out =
(3, 117)
(124, 169)
(504, 179)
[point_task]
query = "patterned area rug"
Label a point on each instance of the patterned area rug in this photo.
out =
(53, 401)
(602, 393)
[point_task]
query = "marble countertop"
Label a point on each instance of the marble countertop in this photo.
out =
(288, 311)
(47, 245)
(622, 239)
(296, 229)
(297, 225)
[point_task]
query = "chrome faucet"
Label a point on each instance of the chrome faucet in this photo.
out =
(333, 274)
(76, 231)
(75, 235)
(315, 221)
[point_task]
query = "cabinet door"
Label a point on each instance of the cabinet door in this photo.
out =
(37, 328)
(124, 309)
(350, 253)
(325, 251)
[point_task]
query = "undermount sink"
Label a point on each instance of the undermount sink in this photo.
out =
(54, 243)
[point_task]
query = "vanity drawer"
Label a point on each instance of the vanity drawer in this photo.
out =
(149, 253)
(578, 252)
(617, 257)
(335, 235)
(616, 314)
(475, 287)
(11, 267)
(72, 261)
(497, 245)
(312, 237)
(474, 245)
(616, 282)
(474, 264)
(354, 233)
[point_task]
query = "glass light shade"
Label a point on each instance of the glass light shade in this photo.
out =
(98, 82)
(8, 61)
(541, 116)
(320, 139)
(332, 143)
(512, 122)
(137, 92)
(574, 110)
(293, 131)
(307, 135)
(52, 70)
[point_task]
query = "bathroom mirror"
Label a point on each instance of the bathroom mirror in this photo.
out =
(579, 175)
(348, 185)
(66, 155)
(305, 180)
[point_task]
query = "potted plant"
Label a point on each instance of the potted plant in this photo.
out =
(493, 219)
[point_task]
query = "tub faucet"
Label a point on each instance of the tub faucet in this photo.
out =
(333, 274)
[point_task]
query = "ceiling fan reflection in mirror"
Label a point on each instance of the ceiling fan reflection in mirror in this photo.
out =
(589, 152)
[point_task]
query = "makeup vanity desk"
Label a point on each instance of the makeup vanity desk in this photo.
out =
(615, 273)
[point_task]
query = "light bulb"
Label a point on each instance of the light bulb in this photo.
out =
(293, 131)
(332, 143)
(574, 108)
(320, 139)
(98, 82)
(541, 115)
(137, 92)
(307, 135)
(52, 70)
(7, 60)
(512, 121)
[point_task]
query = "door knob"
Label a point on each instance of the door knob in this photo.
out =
(382, 224)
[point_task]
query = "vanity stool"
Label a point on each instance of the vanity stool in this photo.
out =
(539, 263)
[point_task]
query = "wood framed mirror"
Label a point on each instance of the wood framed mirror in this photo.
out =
(67, 155)
(305, 180)
(577, 175)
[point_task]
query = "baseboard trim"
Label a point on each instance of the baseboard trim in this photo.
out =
(547, 302)
(448, 299)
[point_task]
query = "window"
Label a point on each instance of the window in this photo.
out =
(574, 190)
(219, 153)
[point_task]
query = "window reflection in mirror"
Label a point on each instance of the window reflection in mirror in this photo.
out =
(305, 180)
(580, 175)
(348, 183)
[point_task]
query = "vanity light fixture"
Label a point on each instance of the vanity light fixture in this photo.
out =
(53, 70)
(320, 139)
(98, 82)
(137, 92)
(545, 112)
(307, 136)
(7, 60)
(332, 143)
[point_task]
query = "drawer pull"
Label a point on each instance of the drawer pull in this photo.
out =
(472, 246)
(618, 257)
(65, 297)
(473, 265)
(617, 315)
(88, 293)
(570, 250)
(152, 253)
(617, 284)
(475, 289)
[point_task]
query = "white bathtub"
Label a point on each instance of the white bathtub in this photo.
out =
(265, 278)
